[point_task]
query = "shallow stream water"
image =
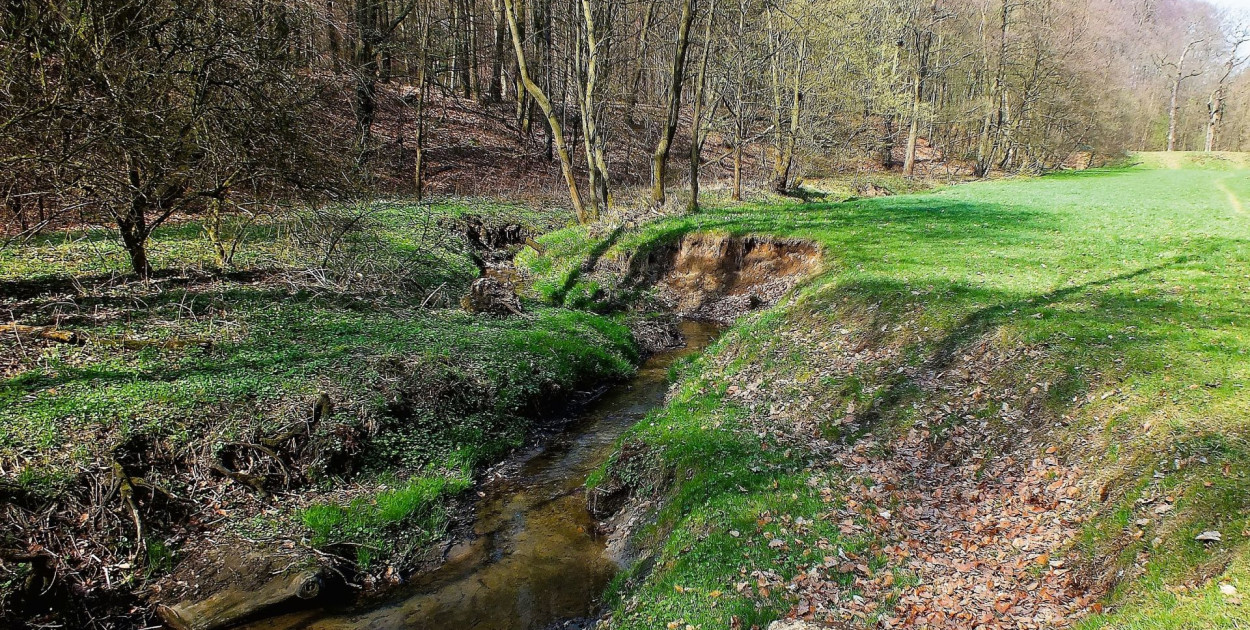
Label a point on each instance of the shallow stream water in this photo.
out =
(534, 560)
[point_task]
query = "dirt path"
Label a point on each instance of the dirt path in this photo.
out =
(1232, 199)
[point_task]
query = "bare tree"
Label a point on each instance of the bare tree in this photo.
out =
(373, 31)
(659, 160)
(1239, 35)
(1176, 75)
(696, 117)
(596, 161)
(919, 37)
(143, 110)
(553, 121)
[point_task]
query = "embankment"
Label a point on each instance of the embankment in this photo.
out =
(1012, 404)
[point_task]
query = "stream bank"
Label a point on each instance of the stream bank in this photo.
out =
(536, 557)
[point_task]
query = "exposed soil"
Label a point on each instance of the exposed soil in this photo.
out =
(717, 278)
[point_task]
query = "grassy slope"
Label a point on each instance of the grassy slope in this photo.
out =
(422, 396)
(1128, 288)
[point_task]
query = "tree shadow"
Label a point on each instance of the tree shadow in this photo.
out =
(979, 322)
(588, 265)
(1085, 326)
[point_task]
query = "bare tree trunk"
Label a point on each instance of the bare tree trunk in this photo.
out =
(1215, 114)
(364, 58)
(1174, 103)
(774, 68)
(636, 83)
(909, 160)
(454, 31)
(993, 121)
(696, 118)
(522, 95)
(1215, 105)
(372, 30)
(1172, 109)
(887, 142)
(418, 168)
(659, 160)
(785, 159)
(136, 246)
(557, 133)
(134, 230)
(475, 80)
(332, 33)
(922, 34)
(546, 61)
(596, 161)
(736, 193)
(739, 115)
(495, 90)
(213, 227)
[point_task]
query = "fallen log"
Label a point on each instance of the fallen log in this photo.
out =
(255, 482)
(232, 605)
(61, 335)
(51, 333)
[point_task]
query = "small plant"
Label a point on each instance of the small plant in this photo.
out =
(371, 525)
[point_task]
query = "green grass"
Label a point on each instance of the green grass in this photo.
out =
(1128, 285)
(288, 349)
(422, 396)
(397, 228)
(384, 524)
(729, 495)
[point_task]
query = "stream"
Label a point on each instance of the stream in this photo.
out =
(534, 560)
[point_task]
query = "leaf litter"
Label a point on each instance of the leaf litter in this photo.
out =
(974, 530)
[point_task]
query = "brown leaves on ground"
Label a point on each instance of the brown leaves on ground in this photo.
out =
(982, 544)
(975, 526)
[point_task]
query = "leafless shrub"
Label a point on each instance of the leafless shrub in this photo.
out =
(366, 247)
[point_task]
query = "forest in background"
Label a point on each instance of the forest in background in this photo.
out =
(130, 112)
(282, 280)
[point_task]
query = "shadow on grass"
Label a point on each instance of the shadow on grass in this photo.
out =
(588, 265)
(93, 283)
(1089, 330)
(981, 321)
(868, 223)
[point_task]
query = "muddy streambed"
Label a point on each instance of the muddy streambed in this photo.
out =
(534, 560)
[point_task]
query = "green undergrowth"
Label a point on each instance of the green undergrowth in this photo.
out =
(422, 393)
(423, 236)
(391, 523)
(1109, 305)
(455, 379)
(743, 512)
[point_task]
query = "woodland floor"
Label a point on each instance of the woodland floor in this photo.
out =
(202, 388)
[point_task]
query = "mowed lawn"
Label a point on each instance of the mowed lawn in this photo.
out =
(1118, 301)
